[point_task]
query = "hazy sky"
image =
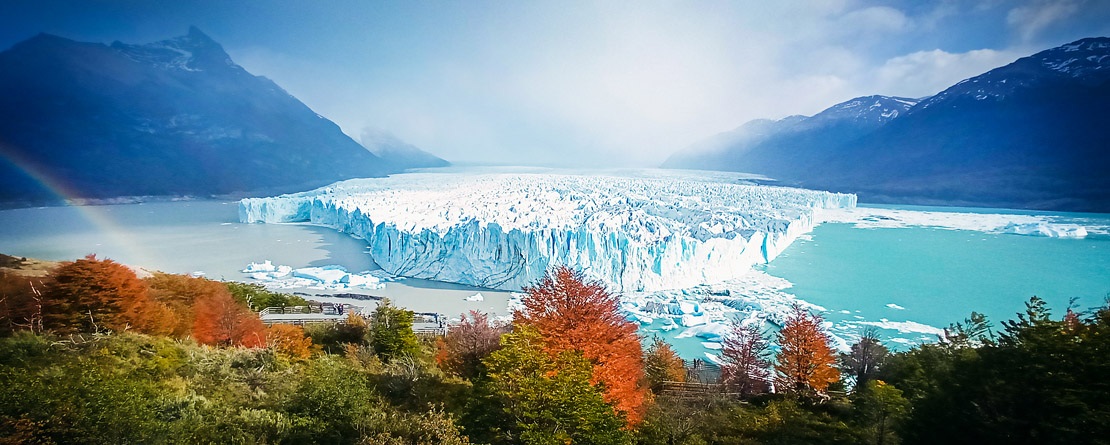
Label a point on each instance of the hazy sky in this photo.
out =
(582, 83)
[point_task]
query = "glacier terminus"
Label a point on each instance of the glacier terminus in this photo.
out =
(636, 230)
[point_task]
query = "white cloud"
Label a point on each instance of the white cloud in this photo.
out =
(925, 73)
(614, 84)
(876, 19)
(1030, 20)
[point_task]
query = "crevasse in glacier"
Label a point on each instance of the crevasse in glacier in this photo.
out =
(504, 230)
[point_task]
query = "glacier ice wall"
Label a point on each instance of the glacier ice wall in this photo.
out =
(504, 230)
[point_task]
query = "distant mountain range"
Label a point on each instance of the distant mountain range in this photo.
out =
(1032, 134)
(176, 117)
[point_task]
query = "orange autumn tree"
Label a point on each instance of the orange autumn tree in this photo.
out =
(572, 313)
(289, 340)
(91, 295)
(180, 293)
(220, 320)
(806, 360)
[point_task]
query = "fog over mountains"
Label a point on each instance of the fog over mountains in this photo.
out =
(1031, 134)
(175, 117)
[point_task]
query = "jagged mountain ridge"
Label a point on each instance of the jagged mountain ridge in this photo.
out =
(1030, 134)
(175, 117)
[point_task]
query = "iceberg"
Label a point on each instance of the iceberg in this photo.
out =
(323, 277)
(636, 233)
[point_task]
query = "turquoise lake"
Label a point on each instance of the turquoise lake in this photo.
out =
(939, 276)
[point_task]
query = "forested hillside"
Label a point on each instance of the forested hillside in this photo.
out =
(93, 354)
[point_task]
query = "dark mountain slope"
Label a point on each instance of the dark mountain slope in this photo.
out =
(1031, 134)
(176, 117)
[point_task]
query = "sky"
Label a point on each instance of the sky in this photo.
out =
(581, 83)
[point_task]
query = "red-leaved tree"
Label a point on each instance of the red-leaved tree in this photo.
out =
(746, 368)
(468, 342)
(806, 360)
(573, 313)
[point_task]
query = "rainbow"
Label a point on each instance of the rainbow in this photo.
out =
(94, 215)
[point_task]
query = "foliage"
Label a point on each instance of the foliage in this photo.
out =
(390, 332)
(257, 297)
(21, 302)
(746, 367)
(335, 337)
(541, 399)
(674, 421)
(467, 343)
(806, 360)
(90, 295)
(865, 358)
(974, 331)
(289, 340)
(139, 389)
(1043, 381)
(662, 364)
(572, 313)
(180, 293)
(880, 411)
(219, 320)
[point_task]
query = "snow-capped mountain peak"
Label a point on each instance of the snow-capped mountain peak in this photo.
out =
(1086, 59)
(868, 109)
(194, 51)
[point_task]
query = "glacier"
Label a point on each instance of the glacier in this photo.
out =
(636, 232)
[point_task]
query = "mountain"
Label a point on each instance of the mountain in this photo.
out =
(176, 117)
(1031, 134)
(777, 148)
(398, 152)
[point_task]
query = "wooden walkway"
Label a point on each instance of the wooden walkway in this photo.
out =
(696, 391)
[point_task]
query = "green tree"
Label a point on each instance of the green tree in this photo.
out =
(257, 297)
(1043, 381)
(880, 409)
(662, 364)
(391, 333)
(540, 399)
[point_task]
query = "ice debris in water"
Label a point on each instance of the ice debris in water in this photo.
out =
(323, 277)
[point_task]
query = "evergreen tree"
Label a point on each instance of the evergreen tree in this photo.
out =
(391, 333)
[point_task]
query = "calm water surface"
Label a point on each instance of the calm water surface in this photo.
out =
(206, 236)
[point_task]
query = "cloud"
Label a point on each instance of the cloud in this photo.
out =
(1030, 20)
(619, 84)
(876, 19)
(925, 73)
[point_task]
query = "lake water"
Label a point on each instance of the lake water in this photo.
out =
(910, 277)
(937, 276)
(206, 237)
